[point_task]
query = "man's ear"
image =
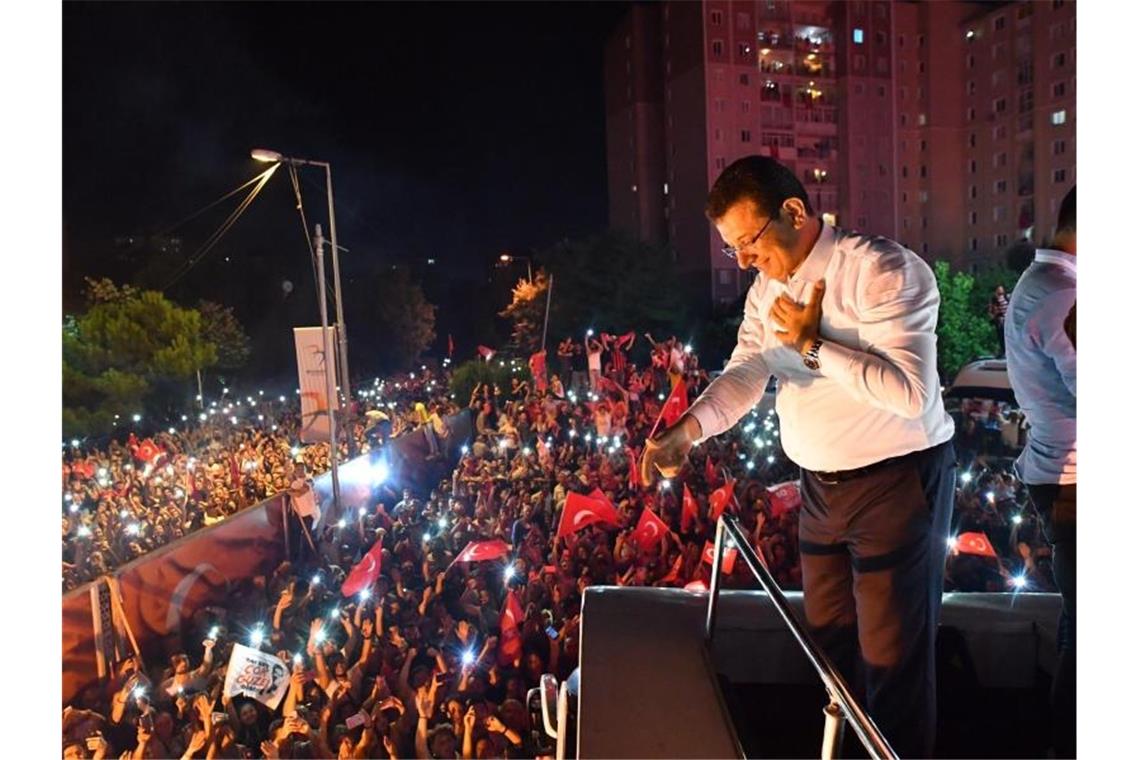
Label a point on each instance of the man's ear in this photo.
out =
(795, 210)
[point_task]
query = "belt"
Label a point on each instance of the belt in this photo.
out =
(842, 476)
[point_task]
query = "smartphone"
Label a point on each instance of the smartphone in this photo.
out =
(93, 742)
(356, 720)
(218, 717)
(551, 632)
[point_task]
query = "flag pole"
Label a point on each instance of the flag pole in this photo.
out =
(546, 319)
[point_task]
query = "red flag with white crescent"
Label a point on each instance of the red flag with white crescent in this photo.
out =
(147, 451)
(364, 573)
(485, 352)
(483, 551)
(729, 557)
(674, 407)
(719, 499)
(634, 470)
(675, 571)
(784, 497)
(975, 543)
(650, 530)
(710, 471)
(581, 511)
(510, 639)
(688, 508)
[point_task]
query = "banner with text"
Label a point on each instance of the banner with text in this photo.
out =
(311, 380)
(258, 675)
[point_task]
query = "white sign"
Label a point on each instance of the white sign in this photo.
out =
(311, 377)
(255, 674)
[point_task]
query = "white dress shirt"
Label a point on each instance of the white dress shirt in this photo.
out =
(1042, 364)
(876, 394)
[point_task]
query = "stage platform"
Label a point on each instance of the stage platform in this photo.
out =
(648, 690)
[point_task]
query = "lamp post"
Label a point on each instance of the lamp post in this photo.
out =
(820, 177)
(506, 257)
(272, 156)
(330, 384)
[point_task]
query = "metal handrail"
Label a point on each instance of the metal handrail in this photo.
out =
(840, 695)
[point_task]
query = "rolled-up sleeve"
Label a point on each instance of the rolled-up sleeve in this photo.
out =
(741, 385)
(897, 299)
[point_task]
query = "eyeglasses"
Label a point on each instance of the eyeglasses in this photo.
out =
(732, 251)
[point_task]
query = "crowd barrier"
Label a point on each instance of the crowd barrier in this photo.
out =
(161, 590)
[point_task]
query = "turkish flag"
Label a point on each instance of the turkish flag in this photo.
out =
(975, 543)
(719, 499)
(147, 451)
(784, 497)
(675, 571)
(537, 364)
(649, 531)
(450, 345)
(364, 573)
(710, 471)
(634, 470)
(485, 352)
(510, 639)
(482, 551)
(581, 511)
(729, 557)
(84, 469)
(674, 407)
(688, 508)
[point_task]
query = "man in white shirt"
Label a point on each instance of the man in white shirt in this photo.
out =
(846, 323)
(1042, 363)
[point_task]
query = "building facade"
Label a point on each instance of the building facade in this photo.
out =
(949, 126)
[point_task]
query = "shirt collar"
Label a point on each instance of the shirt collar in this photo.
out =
(813, 267)
(1053, 256)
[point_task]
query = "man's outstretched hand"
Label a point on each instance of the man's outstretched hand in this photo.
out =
(667, 452)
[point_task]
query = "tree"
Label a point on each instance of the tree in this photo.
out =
(614, 282)
(527, 311)
(964, 332)
(400, 315)
(222, 328)
(127, 342)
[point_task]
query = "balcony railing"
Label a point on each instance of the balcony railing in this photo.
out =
(820, 115)
(842, 703)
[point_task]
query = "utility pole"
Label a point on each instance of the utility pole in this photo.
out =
(330, 371)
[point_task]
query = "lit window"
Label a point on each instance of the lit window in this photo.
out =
(1058, 117)
(857, 36)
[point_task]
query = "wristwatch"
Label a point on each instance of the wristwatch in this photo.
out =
(811, 358)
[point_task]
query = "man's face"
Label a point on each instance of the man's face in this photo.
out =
(739, 227)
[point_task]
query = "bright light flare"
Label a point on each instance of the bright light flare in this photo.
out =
(468, 657)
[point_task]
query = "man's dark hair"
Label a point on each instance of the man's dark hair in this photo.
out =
(1067, 216)
(759, 178)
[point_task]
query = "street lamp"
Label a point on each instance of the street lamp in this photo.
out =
(820, 177)
(506, 258)
(272, 156)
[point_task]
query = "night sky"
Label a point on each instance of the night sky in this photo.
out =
(455, 131)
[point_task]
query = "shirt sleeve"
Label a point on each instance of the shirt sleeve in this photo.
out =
(897, 301)
(1054, 342)
(741, 385)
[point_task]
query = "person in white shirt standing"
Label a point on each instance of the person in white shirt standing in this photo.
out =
(1041, 353)
(846, 322)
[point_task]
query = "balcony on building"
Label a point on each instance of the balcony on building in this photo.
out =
(776, 38)
(821, 118)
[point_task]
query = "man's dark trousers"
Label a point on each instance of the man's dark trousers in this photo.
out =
(873, 551)
(1057, 506)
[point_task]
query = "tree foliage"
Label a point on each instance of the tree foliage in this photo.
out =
(527, 311)
(964, 331)
(401, 314)
(614, 282)
(125, 344)
(471, 373)
(222, 328)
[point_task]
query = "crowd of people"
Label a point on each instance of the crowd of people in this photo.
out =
(434, 656)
